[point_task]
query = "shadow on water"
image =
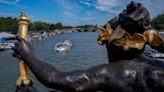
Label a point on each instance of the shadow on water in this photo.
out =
(84, 53)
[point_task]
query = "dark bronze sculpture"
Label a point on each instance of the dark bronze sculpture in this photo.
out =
(128, 34)
(129, 70)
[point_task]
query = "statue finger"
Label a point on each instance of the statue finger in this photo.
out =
(100, 27)
(108, 27)
(16, 55)
(20, 39)
(17, 45)
(13, 48)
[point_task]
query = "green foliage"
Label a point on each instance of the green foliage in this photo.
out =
(8, 24)
(67, 27)
(58, 26)
(158, 22)
(52, 26)
(36, 26)
(86, 26)
(39, 26)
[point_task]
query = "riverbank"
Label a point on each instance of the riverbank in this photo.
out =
(42, 34)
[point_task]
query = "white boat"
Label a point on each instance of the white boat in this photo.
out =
(4, 46)
(157, 55)
(6, 40)
(153, 53)
(63, 46)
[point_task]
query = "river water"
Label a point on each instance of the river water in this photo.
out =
(84, 53)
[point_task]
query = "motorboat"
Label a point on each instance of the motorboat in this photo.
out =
(7, 40)
(153, 53)
(6, 45)
(63, 46)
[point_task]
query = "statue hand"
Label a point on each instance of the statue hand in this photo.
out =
(105, 34)
(22, 48)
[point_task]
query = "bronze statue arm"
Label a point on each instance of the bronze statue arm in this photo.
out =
(79, 80)
(107, 77)
(123, 76)
(154, 40)
(90, 80)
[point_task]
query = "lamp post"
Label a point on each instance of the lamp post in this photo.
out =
(23, 78)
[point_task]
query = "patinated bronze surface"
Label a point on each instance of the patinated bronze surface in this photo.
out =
(135, 75)
(128, 70)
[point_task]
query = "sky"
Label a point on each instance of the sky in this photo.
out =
(73, 12)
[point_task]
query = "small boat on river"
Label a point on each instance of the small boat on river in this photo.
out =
(63, 46)
(6, 40)
(6, 44)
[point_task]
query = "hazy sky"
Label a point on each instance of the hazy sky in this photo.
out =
(73, 12)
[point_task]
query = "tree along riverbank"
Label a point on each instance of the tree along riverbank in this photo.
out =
(10, 24)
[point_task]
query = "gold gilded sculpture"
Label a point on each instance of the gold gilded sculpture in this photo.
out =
(120, 37)
(153, 37)
(105, 34)
(23, 78)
